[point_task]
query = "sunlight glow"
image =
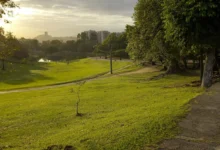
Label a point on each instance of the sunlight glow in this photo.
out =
(1, 23)
(25, 11)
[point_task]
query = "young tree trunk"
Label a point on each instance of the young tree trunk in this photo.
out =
(208, 70)
(77, 104)
(173, 67)
(77, 109)
(3, 64)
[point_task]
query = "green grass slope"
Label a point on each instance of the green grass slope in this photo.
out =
(40, 74)
(120, 112)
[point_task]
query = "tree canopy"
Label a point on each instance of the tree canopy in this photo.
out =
(169, 31)
(146, 37)
(5, 9)
(194, 23)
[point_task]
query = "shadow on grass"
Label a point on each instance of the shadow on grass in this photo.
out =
(189, 73)
(60, 147)
(16, 74)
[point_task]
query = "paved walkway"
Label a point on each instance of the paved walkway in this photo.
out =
(200, 130)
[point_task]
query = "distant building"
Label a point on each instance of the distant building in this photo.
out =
(90, 33)
(44, 37)
(102, 35)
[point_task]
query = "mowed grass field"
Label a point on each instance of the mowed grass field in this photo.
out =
(119, 113)
(40, 74)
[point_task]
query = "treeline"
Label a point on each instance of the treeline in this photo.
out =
(30, 50)
(173, 32)
(56, 50)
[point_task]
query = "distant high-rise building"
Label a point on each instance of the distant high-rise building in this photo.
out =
(102, 35)
(99, 36)
(90, 33)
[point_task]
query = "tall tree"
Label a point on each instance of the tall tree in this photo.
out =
(84, 36)
(8, 45)
(190, 22)
(146, 37)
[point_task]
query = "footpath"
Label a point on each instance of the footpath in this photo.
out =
(200, 130)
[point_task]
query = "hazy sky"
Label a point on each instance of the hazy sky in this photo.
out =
(69, 17)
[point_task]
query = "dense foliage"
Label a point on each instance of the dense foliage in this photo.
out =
(146, 37)
(9, 47)
(172, 31)
(59, 51)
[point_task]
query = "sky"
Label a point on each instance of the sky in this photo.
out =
(69, 17)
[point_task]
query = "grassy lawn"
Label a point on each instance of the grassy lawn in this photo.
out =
(120, 112)
(21, 76)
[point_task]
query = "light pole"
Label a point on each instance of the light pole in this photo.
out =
(111, 69)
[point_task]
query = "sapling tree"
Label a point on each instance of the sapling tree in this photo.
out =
(77, 92)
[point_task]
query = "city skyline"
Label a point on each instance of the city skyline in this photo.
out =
(101, 36)
(67, 18)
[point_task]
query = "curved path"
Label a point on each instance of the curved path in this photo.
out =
(51, 86)
(143, 70)
(102, 75)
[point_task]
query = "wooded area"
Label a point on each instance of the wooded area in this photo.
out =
(173, 31)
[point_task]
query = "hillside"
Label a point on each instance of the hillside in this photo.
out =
(47, 37)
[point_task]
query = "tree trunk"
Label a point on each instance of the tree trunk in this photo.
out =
(164, 68)
(3, 64)
(173, 67)
(201, 65)
(153, 63)
(208, 70)
(77, 109)
(194, 64)
(216, 63)
(185, 63)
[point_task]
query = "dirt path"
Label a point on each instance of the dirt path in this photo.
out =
(143, 70)
(200, 130)
(51, 86)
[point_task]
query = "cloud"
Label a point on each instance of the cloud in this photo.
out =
(61, 16)
(110, 7)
